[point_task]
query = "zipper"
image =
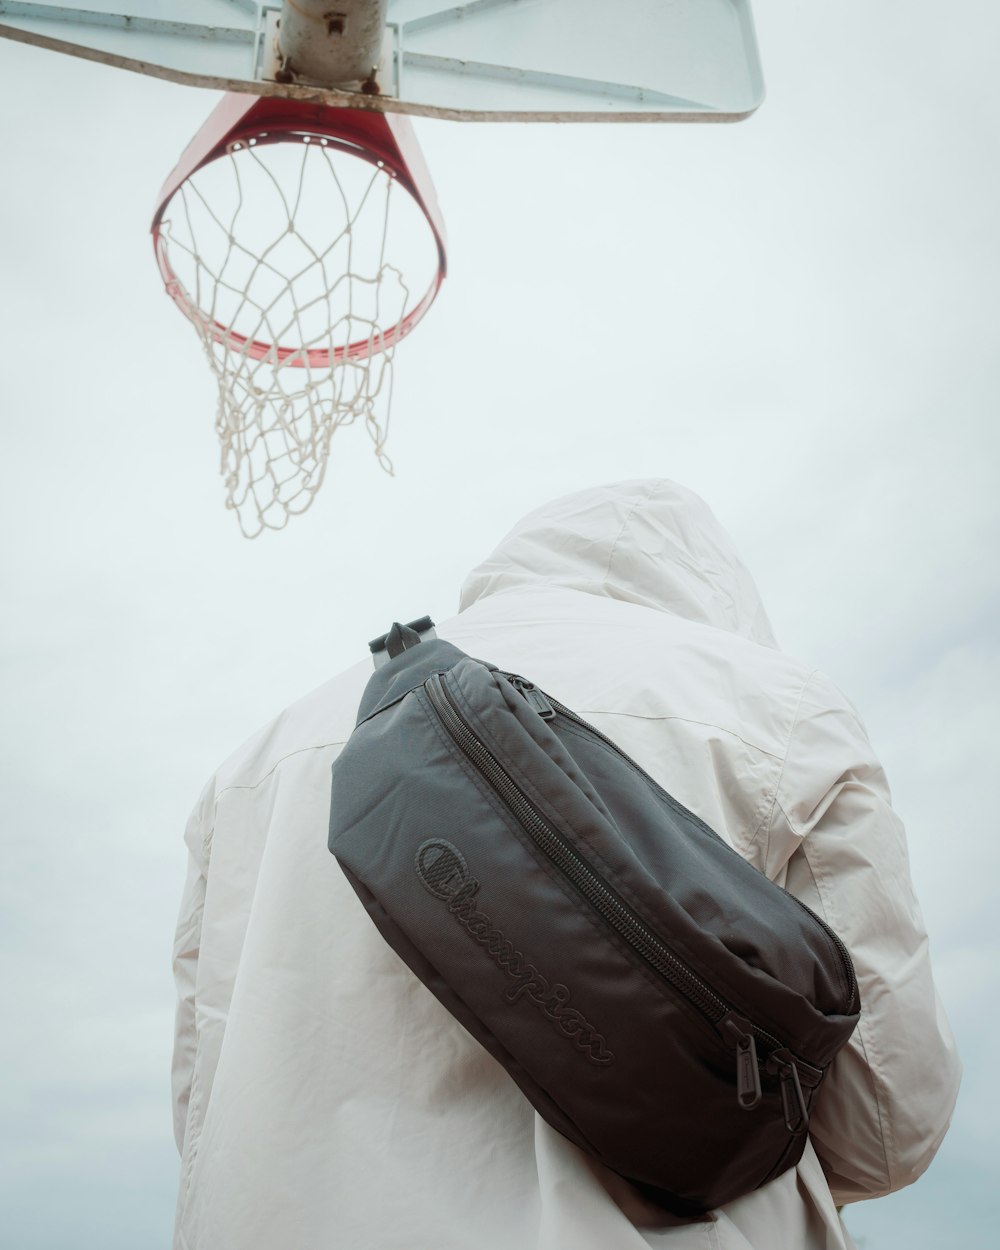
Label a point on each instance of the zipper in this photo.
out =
(793, 1104)
(610, 906)
(847, 964)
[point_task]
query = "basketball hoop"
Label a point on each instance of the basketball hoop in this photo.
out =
(282, 235)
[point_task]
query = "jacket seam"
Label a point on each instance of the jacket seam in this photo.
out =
(628, 517)
(316, 746)
(867, 1042)
(768, 819)
(687, 720)
(191, 1147)
(765, 808)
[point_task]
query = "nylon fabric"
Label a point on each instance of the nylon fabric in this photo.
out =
(657, 1099)
(323, 1096)
(653, 543)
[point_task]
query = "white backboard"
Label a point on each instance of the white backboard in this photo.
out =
(528, 60)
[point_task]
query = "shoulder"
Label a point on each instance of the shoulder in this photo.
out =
(605, 656)
(322, 719)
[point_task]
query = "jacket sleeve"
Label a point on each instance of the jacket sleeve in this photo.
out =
(187, 946)
(888, 1098)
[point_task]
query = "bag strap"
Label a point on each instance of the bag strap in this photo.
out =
(401, 638)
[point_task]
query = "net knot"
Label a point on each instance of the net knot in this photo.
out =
(280, 260)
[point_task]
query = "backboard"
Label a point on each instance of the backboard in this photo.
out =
(484, 60)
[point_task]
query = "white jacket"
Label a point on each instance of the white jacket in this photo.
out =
(324, 1098)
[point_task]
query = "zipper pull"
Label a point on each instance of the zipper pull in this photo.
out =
(793, 1102)
(737, 1031)
(534, 697)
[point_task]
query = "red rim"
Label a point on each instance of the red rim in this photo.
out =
(385, 139)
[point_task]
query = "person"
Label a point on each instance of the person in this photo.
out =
(323, 1097)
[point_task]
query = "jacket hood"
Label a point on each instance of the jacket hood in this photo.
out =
(650, 542)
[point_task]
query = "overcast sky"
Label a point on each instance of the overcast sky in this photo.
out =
(795, 316)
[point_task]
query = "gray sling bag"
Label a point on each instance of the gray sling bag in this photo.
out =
(657, 999)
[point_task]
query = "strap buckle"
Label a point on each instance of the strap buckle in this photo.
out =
(401, 638)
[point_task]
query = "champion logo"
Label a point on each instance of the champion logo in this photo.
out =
(444, 873)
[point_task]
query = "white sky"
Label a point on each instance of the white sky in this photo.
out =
(795, 316)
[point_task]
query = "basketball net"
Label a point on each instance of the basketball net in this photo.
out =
(287, 251)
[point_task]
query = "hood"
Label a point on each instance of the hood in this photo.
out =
(650, 542)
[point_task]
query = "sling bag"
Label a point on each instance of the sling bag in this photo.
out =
(658, 1000)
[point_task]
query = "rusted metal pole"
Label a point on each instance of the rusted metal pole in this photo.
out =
(330, 42)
